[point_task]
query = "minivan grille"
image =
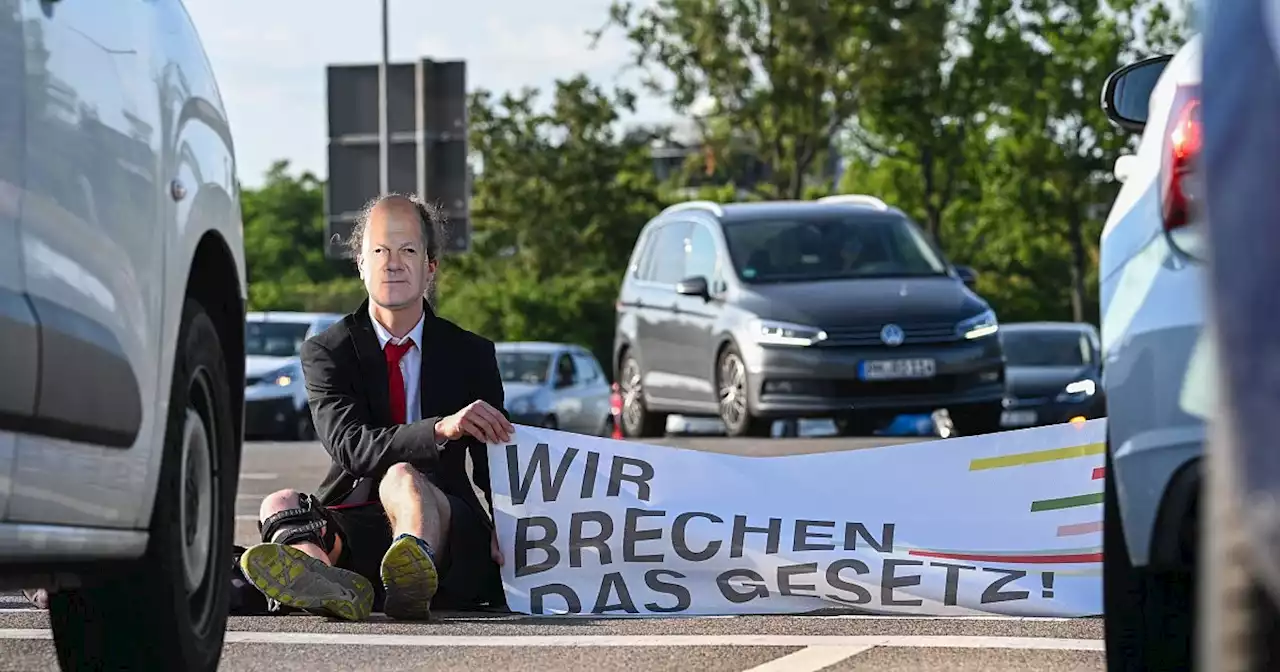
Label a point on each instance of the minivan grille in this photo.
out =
(915, 334)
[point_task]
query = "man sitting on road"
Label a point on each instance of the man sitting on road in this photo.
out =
(399, 397)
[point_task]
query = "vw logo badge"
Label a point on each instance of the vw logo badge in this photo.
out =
(892, 335)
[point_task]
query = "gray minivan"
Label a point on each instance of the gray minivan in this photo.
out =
(838, 308)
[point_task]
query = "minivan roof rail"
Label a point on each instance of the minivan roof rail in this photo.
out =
(711, 206)
(860, 199)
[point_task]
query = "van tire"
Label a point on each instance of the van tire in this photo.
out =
(1148, 614)
(637, 420)
(147, 617)
(732, 376)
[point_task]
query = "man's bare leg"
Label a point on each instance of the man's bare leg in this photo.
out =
(284, 500)
(419, 515)
(292, 567)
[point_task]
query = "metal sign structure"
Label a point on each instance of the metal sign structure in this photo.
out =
(427, 144)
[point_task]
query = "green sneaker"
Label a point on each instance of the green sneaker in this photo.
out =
(295, 579)
(409, 578)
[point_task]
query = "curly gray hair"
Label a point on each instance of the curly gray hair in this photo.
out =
(429, 217)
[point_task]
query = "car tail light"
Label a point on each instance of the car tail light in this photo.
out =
(1182, 144)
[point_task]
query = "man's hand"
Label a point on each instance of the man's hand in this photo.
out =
(479, 420)
(494, 551)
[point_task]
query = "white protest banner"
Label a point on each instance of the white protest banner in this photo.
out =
(1007, 523)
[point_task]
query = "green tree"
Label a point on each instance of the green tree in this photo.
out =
(558, 203)
(934, 85)
(781, 77)
(1054, 147)
(284, 246)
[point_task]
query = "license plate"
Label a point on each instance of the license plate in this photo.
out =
(897, 369)
(1018, 418)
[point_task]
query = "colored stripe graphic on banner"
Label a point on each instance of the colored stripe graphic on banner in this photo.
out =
(1036, 457)
(1071, 502)
(1079, 528)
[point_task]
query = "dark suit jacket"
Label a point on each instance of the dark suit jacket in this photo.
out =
(346, 378)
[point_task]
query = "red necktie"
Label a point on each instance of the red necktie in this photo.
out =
(395, 379)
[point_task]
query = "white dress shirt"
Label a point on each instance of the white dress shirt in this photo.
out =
(410, 365)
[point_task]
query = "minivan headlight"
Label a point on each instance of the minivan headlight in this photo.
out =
(279, 378)
(770, 332)
(982, 324)
(1078, 391)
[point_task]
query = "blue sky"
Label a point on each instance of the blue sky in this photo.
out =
(270, 58)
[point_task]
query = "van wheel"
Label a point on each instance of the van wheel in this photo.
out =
(637, 420)
(731, 388)
(1147, 614)
(1241, 630)
(168, 611)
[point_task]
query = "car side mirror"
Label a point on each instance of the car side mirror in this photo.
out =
(1126, 93)
(694, 286)
(563, 380)
(967, 275)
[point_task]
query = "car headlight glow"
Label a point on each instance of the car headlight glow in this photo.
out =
(770, 332)
(1080, 388)
(978, 326)
(283, 380)
(520, 405)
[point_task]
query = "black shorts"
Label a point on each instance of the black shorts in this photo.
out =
(469, 578)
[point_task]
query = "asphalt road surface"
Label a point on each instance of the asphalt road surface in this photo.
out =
(514, 643)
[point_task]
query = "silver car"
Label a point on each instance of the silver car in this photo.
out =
(555, 385)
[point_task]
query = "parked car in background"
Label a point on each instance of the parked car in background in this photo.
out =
(274, 338)
(122, 294)
(275, 405)
(841, 307)
(1159, 374)
(555, 385)
(1053, 373)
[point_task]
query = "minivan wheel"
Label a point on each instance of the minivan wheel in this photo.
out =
(178, 593)
(637, 420)
(1148, 614)
(731, 387)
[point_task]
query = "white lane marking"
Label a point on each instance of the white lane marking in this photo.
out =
(259, 476)
(911, 617)
(506, 641)
(859, 617)
(247, 517)
(810, 659)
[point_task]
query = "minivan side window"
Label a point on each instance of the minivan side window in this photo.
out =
(643, 266)
(669, 254)
(702, 254)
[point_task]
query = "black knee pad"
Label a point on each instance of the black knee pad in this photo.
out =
(292, 526)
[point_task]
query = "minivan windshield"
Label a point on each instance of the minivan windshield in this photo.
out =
(275, 339)
(830, 248)
(1044, 347)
